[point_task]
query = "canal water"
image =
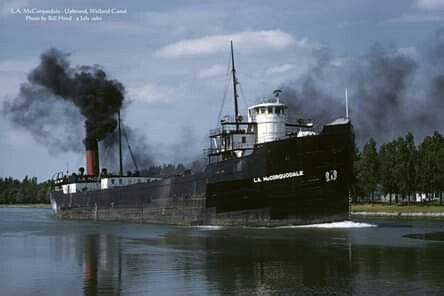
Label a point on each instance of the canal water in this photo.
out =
(42, 255)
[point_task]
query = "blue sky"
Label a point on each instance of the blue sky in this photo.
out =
(172, 58)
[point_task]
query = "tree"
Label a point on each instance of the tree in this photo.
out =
(355, 184)
(26, 191)
(387, 169)
(405, 171)
(368, 169)
(430, 165)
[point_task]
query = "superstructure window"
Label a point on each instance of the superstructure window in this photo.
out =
(262, 110)
(120, 181)
(112, 181)
(278, 110)
(270, 110)
(244, 140)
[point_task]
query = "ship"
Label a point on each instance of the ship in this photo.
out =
(262, 170)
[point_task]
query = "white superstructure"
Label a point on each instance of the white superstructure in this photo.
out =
(84, 184)
(77, 187)
(270, 119)
(116, 181)
(267, 122)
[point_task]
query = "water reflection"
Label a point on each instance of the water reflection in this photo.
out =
(214, 262)
(242, 261)
(101, 264)
(185, 261)
(72, 258)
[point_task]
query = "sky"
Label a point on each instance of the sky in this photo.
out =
(172, 58)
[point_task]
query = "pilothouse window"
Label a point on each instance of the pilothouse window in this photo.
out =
(278, 110)
(262, 110)
(270, 110)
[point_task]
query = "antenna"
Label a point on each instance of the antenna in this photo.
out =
(120, 145)
(236, 109)
(130, 150)
(346, 104)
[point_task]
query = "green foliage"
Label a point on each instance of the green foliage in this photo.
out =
(368, 165)
(401, 167)
(430, 164)
(27, 191)
(167, 170)
(356, 184)
(387, 172)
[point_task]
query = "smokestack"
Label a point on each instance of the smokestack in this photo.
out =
(92, 157)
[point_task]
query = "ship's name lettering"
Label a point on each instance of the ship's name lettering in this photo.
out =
(278, 177)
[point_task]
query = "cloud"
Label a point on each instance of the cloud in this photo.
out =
(247, 40)
(8, 87)
(352, 23)
(280, 69)
(215, 70)
(414, 18)
(149, 93)
(410, 51)
(430, 5)
(12, 73)
(17, 65)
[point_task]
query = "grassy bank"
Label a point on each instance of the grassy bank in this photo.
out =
(417, 208)
(39, 206)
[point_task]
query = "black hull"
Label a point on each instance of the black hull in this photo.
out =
(292, 181)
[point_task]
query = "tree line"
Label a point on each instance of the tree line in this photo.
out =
(26, 191)
(400, 169)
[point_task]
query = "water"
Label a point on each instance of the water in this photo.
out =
(41, 255)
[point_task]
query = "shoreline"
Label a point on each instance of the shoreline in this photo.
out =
(399, 214)
(386, 210)
(34, 206)
(378, 211)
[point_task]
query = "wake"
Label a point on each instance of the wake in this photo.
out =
(341, 224)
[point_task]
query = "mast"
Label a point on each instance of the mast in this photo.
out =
(346, 104)
(120, 145)
(236, 109)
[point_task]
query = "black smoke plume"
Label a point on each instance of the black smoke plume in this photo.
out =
(391, 91)
(309, 97)
(141, 155)
(39, 107)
